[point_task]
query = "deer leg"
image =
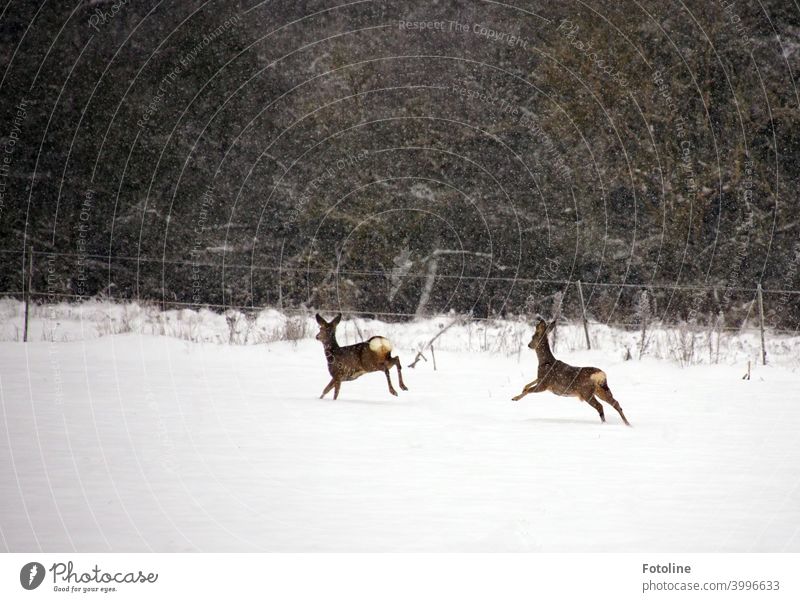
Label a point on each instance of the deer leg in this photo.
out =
(328, 388)
(396, 362)
(336, 385)
(605, 394)
(532, 387)
(521, 395)
(389, 380)
(597, 406)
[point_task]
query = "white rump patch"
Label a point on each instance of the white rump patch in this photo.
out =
(378, 344)
(598, 377)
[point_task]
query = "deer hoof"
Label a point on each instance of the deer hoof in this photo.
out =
(393, 392)
(404, 387)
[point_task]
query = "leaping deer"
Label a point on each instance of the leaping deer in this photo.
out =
(562, 379)
(348, 363)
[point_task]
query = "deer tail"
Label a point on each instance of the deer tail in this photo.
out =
(380, 345)
(599, 379)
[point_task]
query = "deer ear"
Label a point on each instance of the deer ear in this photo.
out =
(320, 320)
(551, 326)
(336, 320)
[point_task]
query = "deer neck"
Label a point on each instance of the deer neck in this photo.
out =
(330, 348)
(544, 354)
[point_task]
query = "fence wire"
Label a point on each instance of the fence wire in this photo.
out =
(378, 273)
(37, 296)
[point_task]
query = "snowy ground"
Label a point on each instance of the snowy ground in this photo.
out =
(137, 442)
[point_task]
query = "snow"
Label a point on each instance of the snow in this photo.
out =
(67, 322)
(138, 442)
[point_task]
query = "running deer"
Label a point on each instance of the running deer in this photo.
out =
(562, 379)
(348, 363)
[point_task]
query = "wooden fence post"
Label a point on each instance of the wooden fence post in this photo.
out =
(280, 278)
(28, 294)
(558, 300)
(583, 316)
(761, 325)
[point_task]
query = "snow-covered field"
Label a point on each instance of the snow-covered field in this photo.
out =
(136, 442)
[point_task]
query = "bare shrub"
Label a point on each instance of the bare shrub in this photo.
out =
(232, 320)
(682, 343)
(295, 328)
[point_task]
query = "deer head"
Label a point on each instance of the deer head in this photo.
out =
(541, 330)
(327, 330)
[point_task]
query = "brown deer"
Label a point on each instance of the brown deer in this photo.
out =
(348, 363)
(562, 379)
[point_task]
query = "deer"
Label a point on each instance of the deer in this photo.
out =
(588, 384)
(352, 361)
